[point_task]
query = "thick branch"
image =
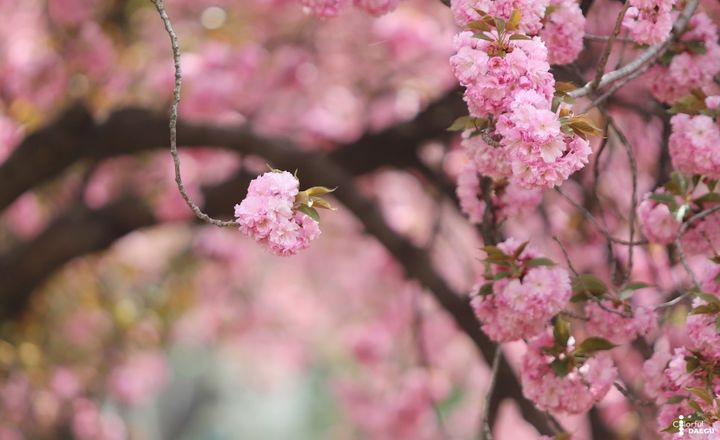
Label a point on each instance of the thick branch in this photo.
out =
(317, 169)
(74, 136)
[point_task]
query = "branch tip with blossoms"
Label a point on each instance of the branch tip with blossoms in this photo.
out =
(275, 213)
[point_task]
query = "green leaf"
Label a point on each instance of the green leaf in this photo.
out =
(589, 284)
(637, 285)
(500, 25)
(320, 203)
(594, 344)
(702, 393)
(672, 429)
(467, 123)
(705, 309)
(560, 367)
(708, 198)
(717, 324)
(564, 86)
(562, 436)
(480, 25)
(666, 58)
(310, 212)
(630, 288)
(495, 255)
(678, 184)
(561, 332)
(319, 191)
(708, 298)
(696, 47)
(501, 275)
(519, 37)
(461, 123)
(514, 20)
(519, 250)
(486, 289)
(663, 198)
(535, 262)
(676, 399)
(694, 405)
(691, 364)
(482, 36)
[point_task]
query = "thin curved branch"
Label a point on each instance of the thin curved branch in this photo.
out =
(159, 5)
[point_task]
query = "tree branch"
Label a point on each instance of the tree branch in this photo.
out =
(74, 136)
(649, 56)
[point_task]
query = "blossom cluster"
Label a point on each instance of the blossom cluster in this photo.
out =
(522, 294)
(694, 142)
(689, 65)
(681, 379)
(574, 391)
(649, 21)
(667, 379)
(331, 8)
(617, 321)
(563, 31)
(661, 214)
(269, 214)
(509, 90)
(532, 12)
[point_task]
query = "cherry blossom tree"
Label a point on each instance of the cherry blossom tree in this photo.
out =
(457, 219)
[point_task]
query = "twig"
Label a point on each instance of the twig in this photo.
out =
(650, 54)
(678, 245)
(633, 169)
(424, 359)
(595, 222)
(174, 119)
(600, 70)
(567, 257)
(488, 226)
(485, 431)
(602, 38)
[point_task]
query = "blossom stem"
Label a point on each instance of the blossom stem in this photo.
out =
(159, 5)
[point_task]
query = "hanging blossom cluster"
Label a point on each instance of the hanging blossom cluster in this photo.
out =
(690, 64)
(558, 375)
(516, 129)
(684, 381)
(278, 216)
(649, 21)
(331, 8)
(520, 292)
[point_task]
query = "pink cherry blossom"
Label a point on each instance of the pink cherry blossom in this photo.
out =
(520, 307)
(573, 394)
(617, 323)
(649, 22)
(563, 31)
(268, 215)
(694, 145)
